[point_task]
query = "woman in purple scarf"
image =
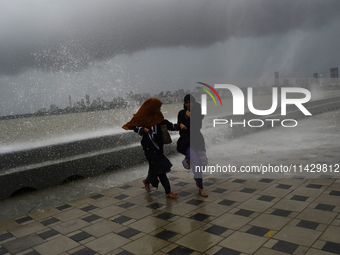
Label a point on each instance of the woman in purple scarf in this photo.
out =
(190, 121)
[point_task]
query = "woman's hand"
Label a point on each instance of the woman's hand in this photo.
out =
(182, 126)
(146, 130)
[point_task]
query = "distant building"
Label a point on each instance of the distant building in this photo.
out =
(42, 111)
(334, 72)
(286, 83)
(85, 105)
(137, 97)
(277, 81)
(53, 108)
(87, 99)
(129, 95)
(146, 96)
(181, 93)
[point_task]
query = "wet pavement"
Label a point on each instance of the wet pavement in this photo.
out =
(245, 213)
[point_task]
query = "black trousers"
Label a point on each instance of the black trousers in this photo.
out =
(153, 179)
(165, 182)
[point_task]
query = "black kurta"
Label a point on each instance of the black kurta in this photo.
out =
(194, 125)
(152, 145)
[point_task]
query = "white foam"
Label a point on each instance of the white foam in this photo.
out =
(59, 140)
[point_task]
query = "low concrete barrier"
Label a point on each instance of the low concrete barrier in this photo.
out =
(52, 165)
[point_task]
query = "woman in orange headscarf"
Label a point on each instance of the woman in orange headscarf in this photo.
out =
(147, 122)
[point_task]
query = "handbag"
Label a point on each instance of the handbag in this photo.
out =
(166, 138)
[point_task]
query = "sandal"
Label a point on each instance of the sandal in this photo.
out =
(147, 186)
(202, 193)
(172, 195)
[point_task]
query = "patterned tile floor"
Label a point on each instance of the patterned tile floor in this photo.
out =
(245, 213)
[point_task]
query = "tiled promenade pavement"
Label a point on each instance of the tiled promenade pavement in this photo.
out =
(244, 214)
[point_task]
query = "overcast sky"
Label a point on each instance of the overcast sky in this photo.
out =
(52, 49)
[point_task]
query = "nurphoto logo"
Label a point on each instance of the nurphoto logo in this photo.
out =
(239, 102)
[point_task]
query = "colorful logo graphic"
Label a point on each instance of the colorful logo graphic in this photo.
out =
(208, 86)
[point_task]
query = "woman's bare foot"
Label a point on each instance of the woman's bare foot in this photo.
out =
(172, 195)
(147, 186)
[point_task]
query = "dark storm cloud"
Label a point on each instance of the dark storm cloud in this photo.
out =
(67, 35)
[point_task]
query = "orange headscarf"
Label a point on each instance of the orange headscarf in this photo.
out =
(148, 115)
